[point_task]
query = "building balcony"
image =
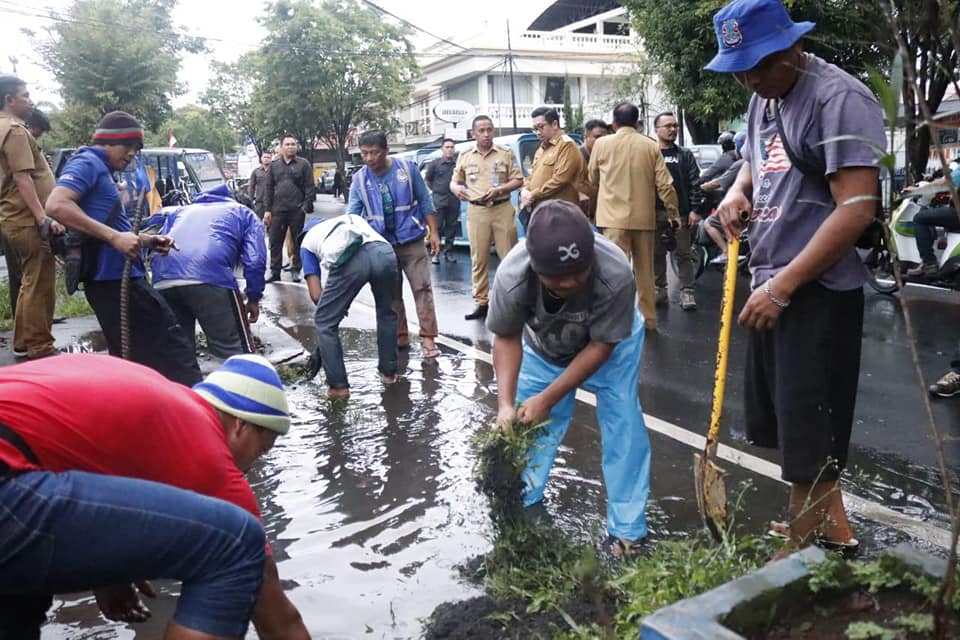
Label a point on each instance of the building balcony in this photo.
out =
(573, 42)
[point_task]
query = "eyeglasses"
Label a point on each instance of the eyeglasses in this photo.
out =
(669, 126)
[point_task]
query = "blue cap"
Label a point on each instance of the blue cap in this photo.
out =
(750, 30)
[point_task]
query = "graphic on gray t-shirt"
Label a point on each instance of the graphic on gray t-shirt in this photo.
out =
(602, 311)
(789, 207)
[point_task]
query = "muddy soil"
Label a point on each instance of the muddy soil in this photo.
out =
(829, 619)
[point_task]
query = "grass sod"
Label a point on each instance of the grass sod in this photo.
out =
(541, 581)
(67, 306)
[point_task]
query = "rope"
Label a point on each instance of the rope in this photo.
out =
(125, 283)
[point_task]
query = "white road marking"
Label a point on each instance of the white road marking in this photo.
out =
(869, 509)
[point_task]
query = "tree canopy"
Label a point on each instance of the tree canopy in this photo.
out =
(114, 54)
(678, 36)
(198, 127)
(327, 70)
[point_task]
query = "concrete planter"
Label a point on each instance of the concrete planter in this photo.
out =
(751, 597)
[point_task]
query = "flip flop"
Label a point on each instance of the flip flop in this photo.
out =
(846, 547)
(625, 549)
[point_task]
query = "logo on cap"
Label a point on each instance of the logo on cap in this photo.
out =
(730, 29)
(569, 253)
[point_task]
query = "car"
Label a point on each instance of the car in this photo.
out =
(325, 182)
(706, 154)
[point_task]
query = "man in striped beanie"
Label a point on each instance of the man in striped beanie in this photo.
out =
(87, 201)
(146, 485)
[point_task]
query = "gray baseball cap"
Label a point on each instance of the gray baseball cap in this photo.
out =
(559, 239)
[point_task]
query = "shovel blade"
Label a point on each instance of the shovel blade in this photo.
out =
(711, 491)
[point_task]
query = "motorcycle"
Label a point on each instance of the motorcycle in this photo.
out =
(704, 252)
(898, 250)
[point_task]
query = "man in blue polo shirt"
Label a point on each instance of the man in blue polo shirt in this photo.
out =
(86, 199)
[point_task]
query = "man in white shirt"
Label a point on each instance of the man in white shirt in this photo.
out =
(339, 256)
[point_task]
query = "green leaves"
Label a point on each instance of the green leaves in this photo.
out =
(115, 54)
(325, 70)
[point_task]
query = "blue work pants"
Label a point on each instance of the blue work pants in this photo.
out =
(73, 531)
(623, 432)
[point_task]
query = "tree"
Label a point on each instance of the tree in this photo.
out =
(229, 96)
(326, 71)
(930, 30)
(678, 36)
(198, 127)
(115, 54)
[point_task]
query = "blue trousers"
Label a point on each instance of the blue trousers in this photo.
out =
(376, 263)
(73, 531)
(623, 432)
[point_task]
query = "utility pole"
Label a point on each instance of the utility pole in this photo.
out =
(513, 93)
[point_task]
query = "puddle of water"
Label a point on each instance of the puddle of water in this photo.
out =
(370, 504)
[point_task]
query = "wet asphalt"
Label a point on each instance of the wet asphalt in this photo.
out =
(369, 505)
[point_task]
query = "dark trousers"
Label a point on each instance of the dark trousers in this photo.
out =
(156, 338)
(448, 220)
(925, 224)
(219, 312)
(374, 263)
(283, 220)
(13, 273)
(801, 381)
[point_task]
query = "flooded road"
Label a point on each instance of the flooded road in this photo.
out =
(370, 506)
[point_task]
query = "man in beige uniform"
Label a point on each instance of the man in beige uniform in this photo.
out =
(25, 183)
(556, 165)
(629, 172)
(484, 178)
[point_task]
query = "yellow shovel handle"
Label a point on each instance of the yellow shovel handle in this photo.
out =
(723, 348)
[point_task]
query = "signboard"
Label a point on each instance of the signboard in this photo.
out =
(456, 133)
(454, 111)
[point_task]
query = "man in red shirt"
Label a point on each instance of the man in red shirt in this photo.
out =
(112, 475)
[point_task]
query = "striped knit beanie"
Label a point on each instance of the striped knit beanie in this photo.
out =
(119, 127)
(249, 388)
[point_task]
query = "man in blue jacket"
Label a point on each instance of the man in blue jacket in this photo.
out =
(215, 233)
(88, 200)
(393, 198)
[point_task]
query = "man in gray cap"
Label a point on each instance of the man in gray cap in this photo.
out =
(563, 315)
(808, 180)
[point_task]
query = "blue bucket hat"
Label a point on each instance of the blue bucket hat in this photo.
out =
(750, 30)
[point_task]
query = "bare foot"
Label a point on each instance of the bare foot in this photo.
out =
(334, 394)
(389, 380)
(430, 349)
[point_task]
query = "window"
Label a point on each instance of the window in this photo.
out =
(498, 87)
(553, 90)
(466, 90)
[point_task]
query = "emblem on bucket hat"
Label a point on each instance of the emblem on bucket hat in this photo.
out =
(731, 35)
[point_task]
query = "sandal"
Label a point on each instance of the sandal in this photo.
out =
(626, 549)
(781, 531)
(432, 352)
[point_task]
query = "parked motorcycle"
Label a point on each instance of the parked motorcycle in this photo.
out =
(703, 252)
(898, 250)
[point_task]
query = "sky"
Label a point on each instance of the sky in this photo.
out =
(231, 28)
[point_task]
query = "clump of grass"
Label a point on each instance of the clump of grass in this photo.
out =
(502, 455)
(67, 306)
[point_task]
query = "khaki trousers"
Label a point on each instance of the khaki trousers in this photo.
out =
(639, 248)
(414, 263)
(484, 224)
(33, 319)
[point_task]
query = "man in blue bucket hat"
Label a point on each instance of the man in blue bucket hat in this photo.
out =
(808, 180)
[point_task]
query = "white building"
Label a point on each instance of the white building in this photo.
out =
(586, 45)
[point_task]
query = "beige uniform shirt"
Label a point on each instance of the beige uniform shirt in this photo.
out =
(556, 170)
(476, 170)
(19, 152)
(629, 172)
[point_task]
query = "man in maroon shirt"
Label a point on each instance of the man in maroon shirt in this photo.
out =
(111, 475)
